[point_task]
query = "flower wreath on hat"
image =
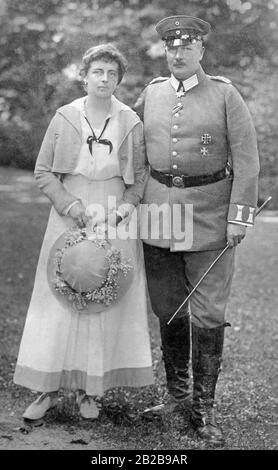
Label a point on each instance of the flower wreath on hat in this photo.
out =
(107, 288)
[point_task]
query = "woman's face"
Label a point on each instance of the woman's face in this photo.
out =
(102, 78)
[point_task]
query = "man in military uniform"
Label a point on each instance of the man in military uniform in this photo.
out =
(202, 151)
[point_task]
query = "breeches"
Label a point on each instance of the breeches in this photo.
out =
(172, 275)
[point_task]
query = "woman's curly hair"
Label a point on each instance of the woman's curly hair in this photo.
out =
(107, 53)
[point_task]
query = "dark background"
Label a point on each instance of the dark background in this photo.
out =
(42, 41)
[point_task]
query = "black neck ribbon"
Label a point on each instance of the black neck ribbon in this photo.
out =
(93, 138)
(180, 87)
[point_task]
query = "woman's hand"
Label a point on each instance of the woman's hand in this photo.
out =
(77, 213)
(100, 218)
(121, 215)
(96, 220)
(235, 233)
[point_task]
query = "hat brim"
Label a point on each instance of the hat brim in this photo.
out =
(123, 281)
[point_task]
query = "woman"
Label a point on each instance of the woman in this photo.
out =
(93, 149)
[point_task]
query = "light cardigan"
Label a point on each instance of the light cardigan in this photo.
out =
(61, 147)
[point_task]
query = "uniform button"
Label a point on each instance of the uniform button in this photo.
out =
(174, 153)
(176, 115)
(174, 139)
(175, 126)
(175, 167)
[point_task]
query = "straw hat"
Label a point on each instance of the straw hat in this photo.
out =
(87, 274)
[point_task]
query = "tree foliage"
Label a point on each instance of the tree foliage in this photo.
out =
(42, 42)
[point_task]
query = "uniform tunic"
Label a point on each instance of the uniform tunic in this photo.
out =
(197, 134)
(184, 229)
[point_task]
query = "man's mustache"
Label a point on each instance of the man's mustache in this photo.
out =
(178, 62)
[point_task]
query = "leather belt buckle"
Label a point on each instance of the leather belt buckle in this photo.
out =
(177, 181)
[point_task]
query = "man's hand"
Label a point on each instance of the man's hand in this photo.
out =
(77, 213)
(235, 233)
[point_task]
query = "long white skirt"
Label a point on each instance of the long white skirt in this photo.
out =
(62, 348)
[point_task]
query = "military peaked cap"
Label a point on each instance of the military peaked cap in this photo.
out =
(182, 27)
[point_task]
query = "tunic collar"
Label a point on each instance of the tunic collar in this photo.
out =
(190, 82)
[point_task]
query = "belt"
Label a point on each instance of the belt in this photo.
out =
(185, 181)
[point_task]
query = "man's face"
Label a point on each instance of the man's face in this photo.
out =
(184, 61)
(102, 78)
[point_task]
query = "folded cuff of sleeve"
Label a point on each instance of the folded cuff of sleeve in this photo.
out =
(68, 208)
(242, 214)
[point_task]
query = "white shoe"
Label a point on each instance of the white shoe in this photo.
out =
(87, 406)
(41, 405)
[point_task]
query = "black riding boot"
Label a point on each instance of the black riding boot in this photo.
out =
(175, 345)
(207, 347)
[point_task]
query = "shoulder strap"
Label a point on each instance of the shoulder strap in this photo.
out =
(157, 80)
(219, 78)
(140, 103)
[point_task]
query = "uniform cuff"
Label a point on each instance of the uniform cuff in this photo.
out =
(241, 214)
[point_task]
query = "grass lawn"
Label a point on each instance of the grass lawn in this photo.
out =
(246, 395)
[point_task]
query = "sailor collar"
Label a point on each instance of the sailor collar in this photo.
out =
(116, 106)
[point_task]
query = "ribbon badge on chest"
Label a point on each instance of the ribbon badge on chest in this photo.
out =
(205, 139)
